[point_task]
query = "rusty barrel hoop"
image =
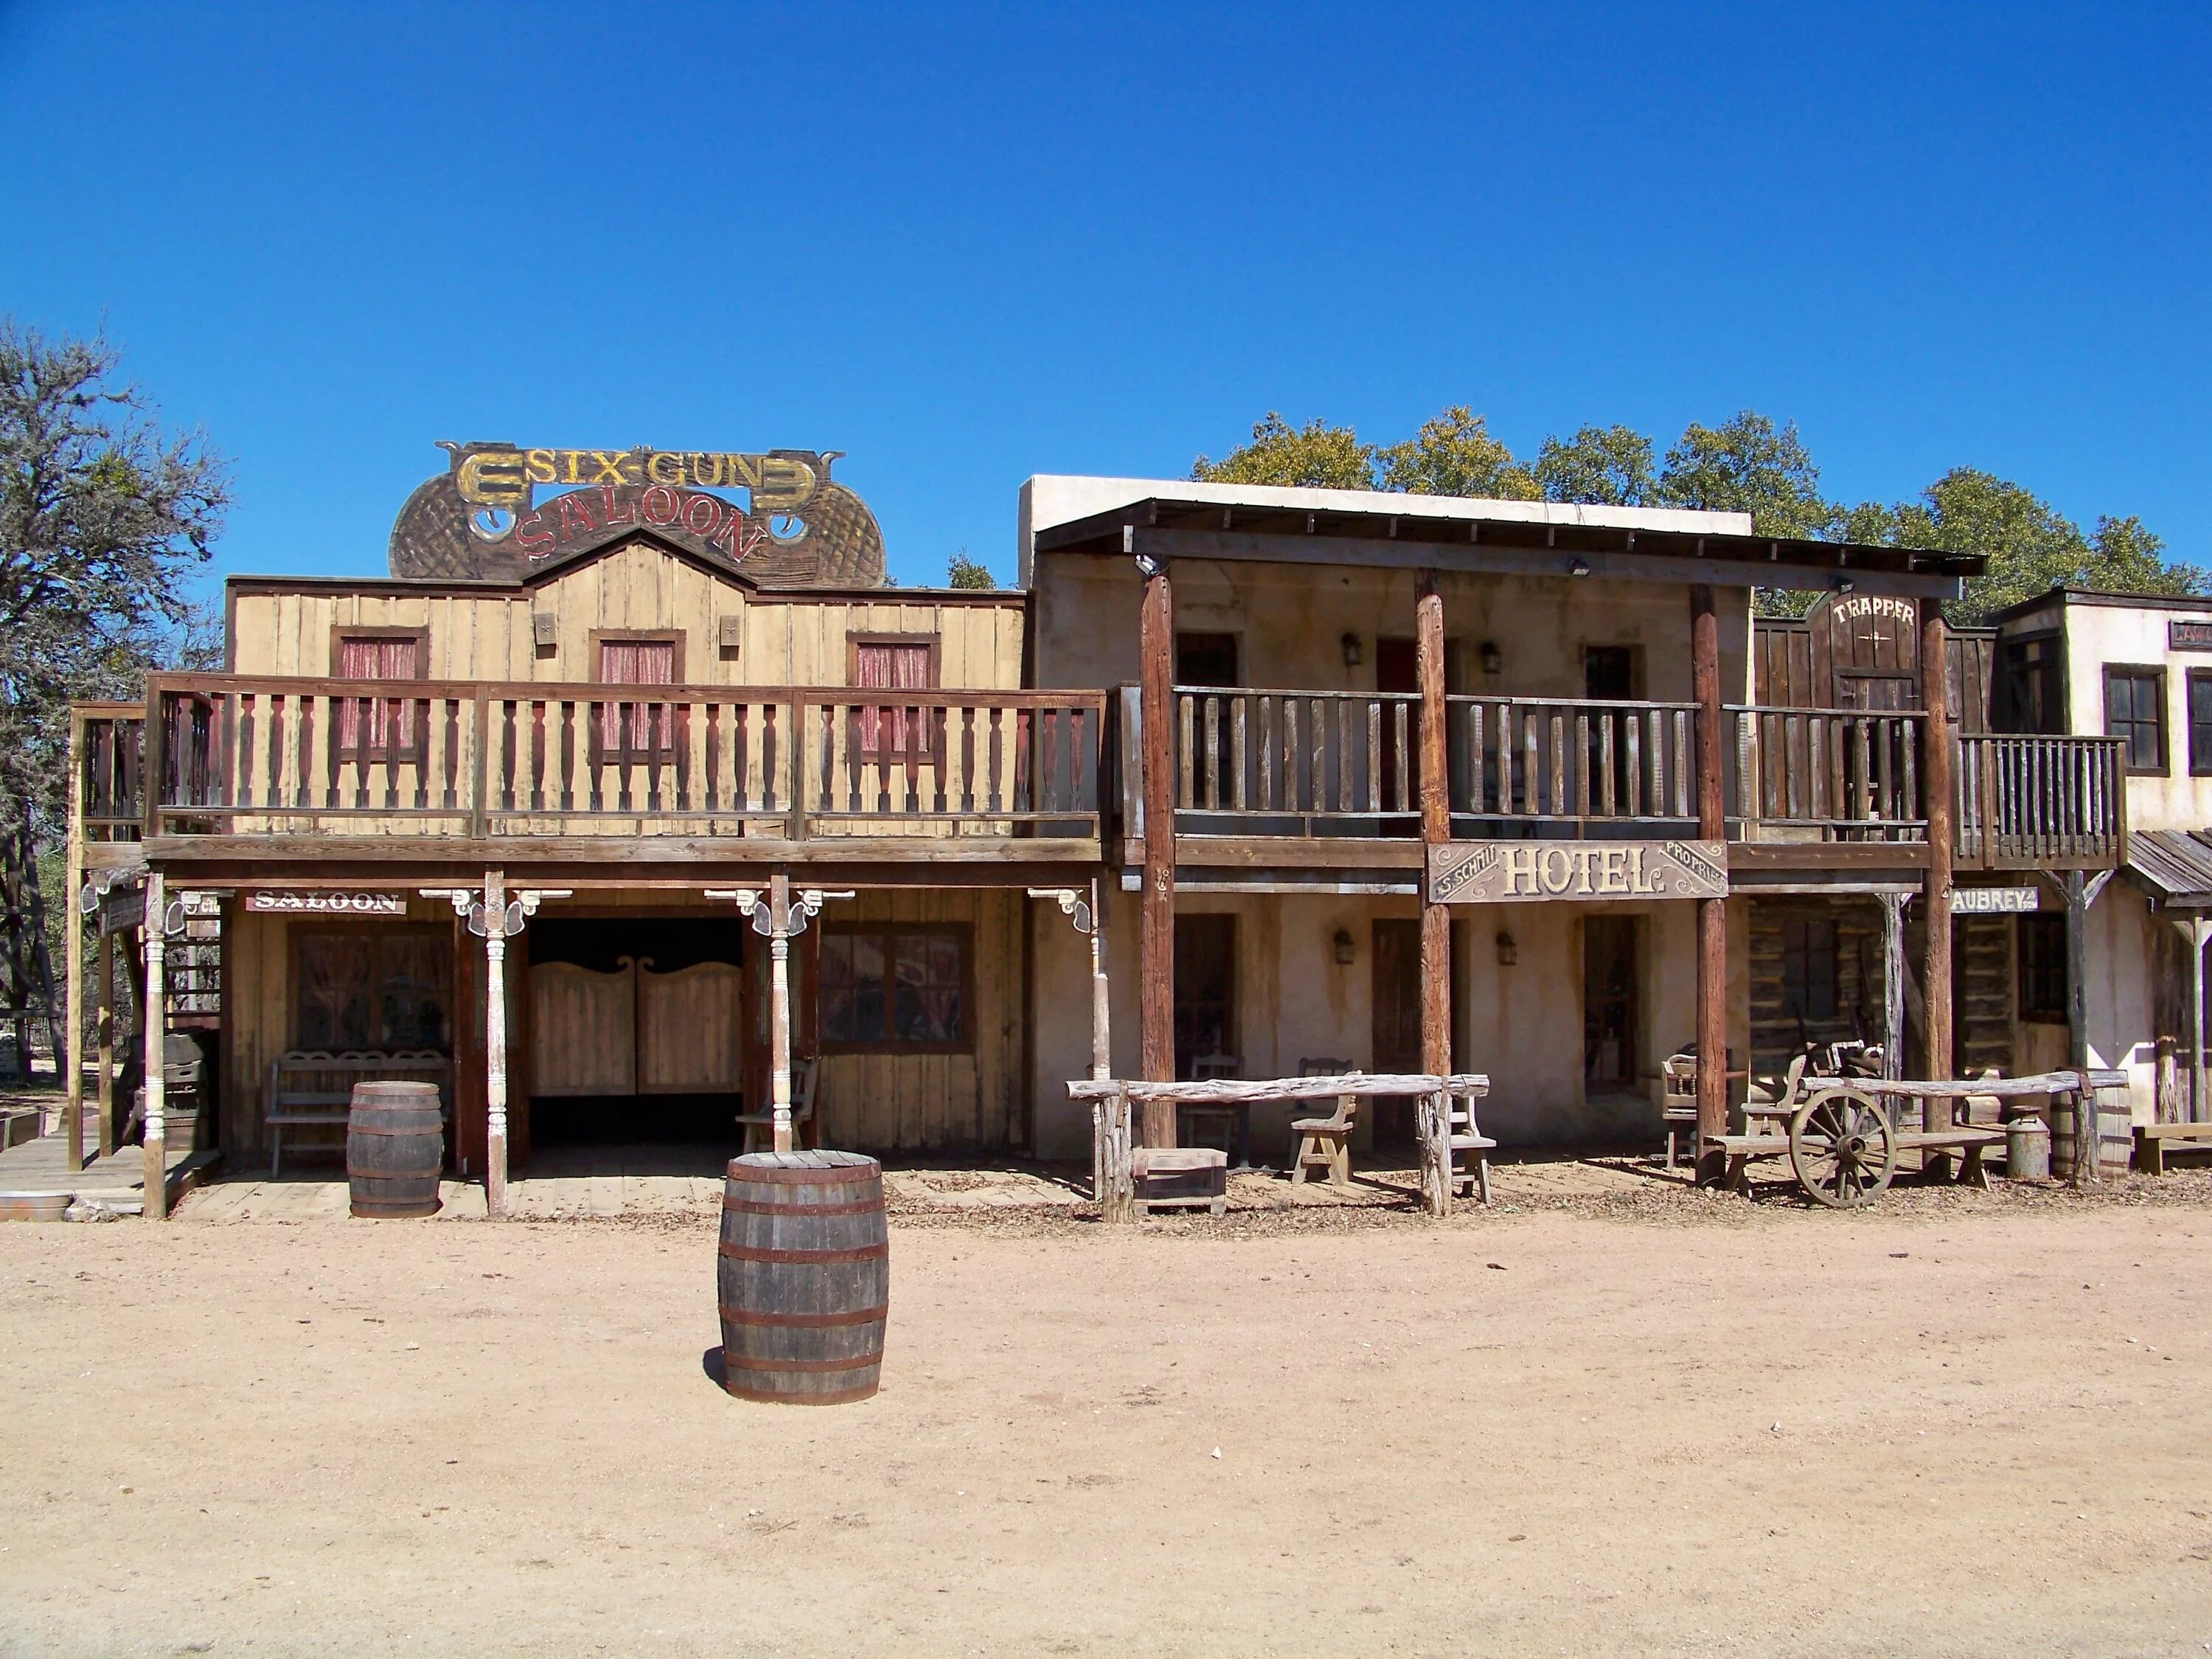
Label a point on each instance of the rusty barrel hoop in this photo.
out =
(395, 1149)
(803, 1270)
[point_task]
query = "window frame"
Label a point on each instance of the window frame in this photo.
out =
(963, 934)
(377, 934)
(1835, 964)
(409, 752)
(873, 718)
(2200, 764)
(2026, 1006)
(661, 749)
(2155, 673)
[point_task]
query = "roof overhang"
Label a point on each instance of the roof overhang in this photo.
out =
(1165, 528)
(2174, 866)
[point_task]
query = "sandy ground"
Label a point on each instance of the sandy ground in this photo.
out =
(1695, 1426)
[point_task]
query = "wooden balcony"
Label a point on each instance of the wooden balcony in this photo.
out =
(2035, 803)
(1824, 776)
(334, 765)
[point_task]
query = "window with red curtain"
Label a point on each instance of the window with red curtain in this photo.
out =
(890, 734)
(374, 657)
(637, 730)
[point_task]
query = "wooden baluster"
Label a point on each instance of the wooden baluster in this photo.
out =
(1532, 770)
(1048, 736)
(449, 798)
(1562, 795)
(1023, 797)
(1236, 752)
(996, 744)
(1348, 775)
(913, 758)
(1581, 764)
(1862, 762)
(1478, 761)
(715, 756)
(242, 768)
(967, 759)
(1506, 807)
(510, 734)
(656, 728)
(537, 754)
(1606, 805)
(277, 770)
(1402, 739)
(1374, 802)
(1291, 753)
(769, 758)
(1266, 705)
(1317, 736)
(389, 752)
(1210, 765)
(1908, 785)
(1186, 750)
(1685, 774)
(940, 760)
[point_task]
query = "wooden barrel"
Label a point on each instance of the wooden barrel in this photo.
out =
(2116, 1137)
(395, 1149)
(805, 1276)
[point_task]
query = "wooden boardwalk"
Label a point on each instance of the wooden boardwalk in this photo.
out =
(42, 1165)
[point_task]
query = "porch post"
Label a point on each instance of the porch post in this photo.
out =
(2199, 1109)
(103, 1036)
(72, 1057)
(779, 1033)
(1102, 1043)
(155, 1018)
(1936, 907)
(2086, 1110)
(1435, 828)
(494, 904)
(1712, 912)
(1156, 944)
(1893, 985)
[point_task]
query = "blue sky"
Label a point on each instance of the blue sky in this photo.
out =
(964, 244)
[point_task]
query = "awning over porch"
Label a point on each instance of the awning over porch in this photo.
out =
(2174, 866)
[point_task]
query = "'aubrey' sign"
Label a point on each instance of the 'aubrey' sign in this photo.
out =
(1503, 872)
(329, 904)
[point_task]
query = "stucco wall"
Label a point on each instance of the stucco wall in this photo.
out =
(2099, 634)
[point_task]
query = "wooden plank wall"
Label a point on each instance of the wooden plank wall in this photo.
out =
(1785, 674)
(1777, 1035)
(1982, 1003)
(791, 639)
(927, 1102)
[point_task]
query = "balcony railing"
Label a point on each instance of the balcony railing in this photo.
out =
(110, 744)
(2031, 802)
(1295, 763)
(235, 755)
(1526, 759)
(1824, 775)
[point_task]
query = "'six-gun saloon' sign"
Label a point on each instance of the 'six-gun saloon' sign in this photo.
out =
(485, 520)
(1505, 872)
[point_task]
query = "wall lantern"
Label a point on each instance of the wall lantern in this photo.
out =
(1343, 943)
(1508, 951)
(1845, 585)
(1579, 567)
(1493, 658)
(1352, 654)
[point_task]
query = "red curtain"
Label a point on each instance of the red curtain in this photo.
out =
(633, 727)
(377, 659)
(884, 732)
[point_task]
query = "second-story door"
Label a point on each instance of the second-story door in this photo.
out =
(1209, 660)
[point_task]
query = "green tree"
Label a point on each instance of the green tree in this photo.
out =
(1315, 457)
(1608, 465)
(961, 571)
(1746, 464)
(1454, 454)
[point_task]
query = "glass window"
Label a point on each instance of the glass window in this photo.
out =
(895, 987)
(2200, 721)
(388, 989)
(2134, 710)
(1808, 967)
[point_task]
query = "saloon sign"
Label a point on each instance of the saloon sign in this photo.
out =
(777, 515)
(1505, 872)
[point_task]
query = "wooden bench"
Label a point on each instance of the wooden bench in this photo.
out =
(2151, 1143)
(320, 1094)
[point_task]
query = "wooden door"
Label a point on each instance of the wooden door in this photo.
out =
(1205, 990)
(1610, 1004)
(689, 1030)
(1394, 1019)
(583, 1029)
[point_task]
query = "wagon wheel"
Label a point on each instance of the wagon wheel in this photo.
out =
(1840, 1148)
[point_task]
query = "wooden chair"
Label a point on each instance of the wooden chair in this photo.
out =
(1326, 1141)
(1464, 1140)
(1677, 1101)
(760, 1127)
(1222, 1127)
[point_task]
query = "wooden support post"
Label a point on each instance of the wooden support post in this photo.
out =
(155, 1018)
(1102, 1038)
(2166, 1105)
(1156, 945)
(1893, 985)
(1112, 1179)
(2086, 1108)
(494, 904)
(1712, 913)
(779, 1035)
(1435, 828)
(72, 1057)
(1935, 908)
(103, 1036)
(2197, 929)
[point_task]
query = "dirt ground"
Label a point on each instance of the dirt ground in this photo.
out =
(1680, 1425)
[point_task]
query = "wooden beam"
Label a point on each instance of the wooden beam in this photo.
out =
(1893, 985)
(72, 1057)
(1494, 558)
(1712, 913)
(155, 1020)
(1935, 908)
(2199, 1109)
(1436, 826)
(1155, 944)
(2086, 1111)
(494, 904)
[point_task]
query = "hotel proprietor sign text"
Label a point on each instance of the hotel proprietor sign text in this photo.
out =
(1602, 872)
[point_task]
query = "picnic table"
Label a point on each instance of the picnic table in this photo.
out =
(1843, 1134)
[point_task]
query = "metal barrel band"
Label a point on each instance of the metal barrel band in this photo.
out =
(805, 1258)
(799, 1321)
(814, 1367)
(834, 1174)
(359, 1128)
(746, 1206)
(353, 1174)
(764, 1397)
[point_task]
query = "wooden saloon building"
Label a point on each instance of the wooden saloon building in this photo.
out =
(631, 801)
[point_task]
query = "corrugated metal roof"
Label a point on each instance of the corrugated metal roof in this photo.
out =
(2174, 864)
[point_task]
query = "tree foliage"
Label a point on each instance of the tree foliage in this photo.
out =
(104, 514)
(962, 572)
(1747, 463)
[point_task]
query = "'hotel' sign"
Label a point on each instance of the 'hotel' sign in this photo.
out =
(1505, 872)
